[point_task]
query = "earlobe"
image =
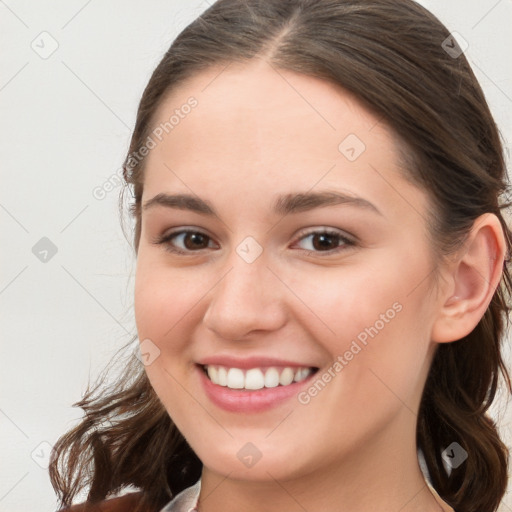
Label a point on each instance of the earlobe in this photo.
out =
(474, 277)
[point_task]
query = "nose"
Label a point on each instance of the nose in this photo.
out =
(249, 298)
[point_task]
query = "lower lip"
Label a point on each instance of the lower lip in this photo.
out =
(234, 400)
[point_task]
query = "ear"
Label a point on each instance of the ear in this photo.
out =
(473, 278)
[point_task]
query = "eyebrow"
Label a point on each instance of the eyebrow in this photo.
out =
(283, 205)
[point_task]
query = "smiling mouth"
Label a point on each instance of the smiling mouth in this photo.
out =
(256, 378)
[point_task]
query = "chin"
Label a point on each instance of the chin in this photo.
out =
(253, 461)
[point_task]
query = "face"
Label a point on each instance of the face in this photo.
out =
(299, 266)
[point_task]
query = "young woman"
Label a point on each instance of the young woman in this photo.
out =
(321, 274)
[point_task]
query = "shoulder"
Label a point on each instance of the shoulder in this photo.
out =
(119, 504)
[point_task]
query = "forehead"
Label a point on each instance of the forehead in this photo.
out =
(255, 102)
(258, 128)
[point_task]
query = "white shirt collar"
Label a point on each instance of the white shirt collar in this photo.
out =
(185, 501)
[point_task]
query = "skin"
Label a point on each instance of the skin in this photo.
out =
(258, 133)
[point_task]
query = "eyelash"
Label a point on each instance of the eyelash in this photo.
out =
(347, 242)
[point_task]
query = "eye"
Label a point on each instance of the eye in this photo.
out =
(184, 241)
(320, 241)
(325, 240)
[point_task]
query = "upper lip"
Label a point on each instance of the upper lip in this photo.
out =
(250, 362)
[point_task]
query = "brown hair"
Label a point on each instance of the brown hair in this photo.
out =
(391, 55)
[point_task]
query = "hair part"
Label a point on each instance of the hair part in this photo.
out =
(389, 55)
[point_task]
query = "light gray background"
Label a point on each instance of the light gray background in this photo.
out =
(65, 127)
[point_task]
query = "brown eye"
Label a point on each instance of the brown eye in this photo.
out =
(325, 241)
(193, 240)
(185, 241)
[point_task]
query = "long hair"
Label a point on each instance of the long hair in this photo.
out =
(402, 63)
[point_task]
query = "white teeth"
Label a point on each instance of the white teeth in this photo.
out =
(271, 378)
(212, 373)
(301, 374)
(222, 376)
(235, 378)
(286, 377)
(255, 378)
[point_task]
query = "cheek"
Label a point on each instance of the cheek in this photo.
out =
(164, 304)
(164, 297)
(168, 309)
(347, 303)
(375, 321)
